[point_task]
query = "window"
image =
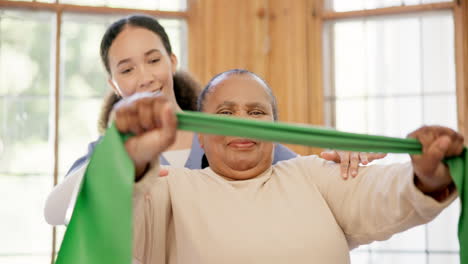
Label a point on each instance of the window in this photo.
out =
(27, 103)
(26, 162)
(164, 5)
(351, 5)
(388, 75)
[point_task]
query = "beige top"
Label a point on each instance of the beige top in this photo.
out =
(298, 211)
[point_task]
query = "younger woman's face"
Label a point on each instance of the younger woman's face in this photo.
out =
(139, 62)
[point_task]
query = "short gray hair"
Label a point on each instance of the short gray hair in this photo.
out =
(222, 76)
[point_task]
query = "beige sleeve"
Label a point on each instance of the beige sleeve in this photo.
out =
(381, 201)
(151, 218)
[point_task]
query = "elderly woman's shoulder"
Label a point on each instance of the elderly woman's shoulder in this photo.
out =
(306, 162)
(174, 173)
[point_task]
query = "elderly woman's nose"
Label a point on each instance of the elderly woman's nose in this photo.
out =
(245, 114)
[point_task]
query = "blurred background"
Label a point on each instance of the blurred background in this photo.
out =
(369, 66)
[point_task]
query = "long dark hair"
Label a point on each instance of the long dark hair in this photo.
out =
(142, 21)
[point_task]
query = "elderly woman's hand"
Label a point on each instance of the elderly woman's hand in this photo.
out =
(349, 161)
(153, 122)
(432, 176)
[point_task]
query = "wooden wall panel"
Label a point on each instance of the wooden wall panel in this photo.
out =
(461, 59)
(269, 37)
(287, 68)
(315, 66)
(225, 34)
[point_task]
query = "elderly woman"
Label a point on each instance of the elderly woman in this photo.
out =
(242, 209)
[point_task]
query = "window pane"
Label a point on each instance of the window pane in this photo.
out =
(440, 109)
(26, 159)
(25, 235)
(77, 129)
(444, 259)
(438, 60)
(349, 115)
(83, 74)
(393, 116)
(25, 134)
(359, 257)
(434, 1)
(400, 257)
(378, 57)
(24, 259)
(349, 56)
(85, 2)
(443, 231)
(412, 239)
(393, 56)
(25, 52)
(352, 5)
(164, 5)
(346, 5)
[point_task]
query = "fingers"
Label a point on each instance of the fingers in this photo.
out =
(152, 121)
(163, 172)
(460, 144)
(363, 158)
(342, 157)
(375, 156)
(456, 144)
(141, 115)
(428, 134)
(121, 121)
(437, 143)
(331, 155)
(433, 154)
(132, 120)
(438, 148)
(349, 161)
(145, 114)
(354, 164)
(344, 166)
(169, 124)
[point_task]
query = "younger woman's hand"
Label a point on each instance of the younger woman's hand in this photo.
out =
(349, 161)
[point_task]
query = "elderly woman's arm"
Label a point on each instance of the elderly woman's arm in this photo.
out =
(153, 123)
(151, 218)
(384, 200)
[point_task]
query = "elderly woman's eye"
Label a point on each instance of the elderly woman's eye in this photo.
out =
(256, 112)
(224, 112)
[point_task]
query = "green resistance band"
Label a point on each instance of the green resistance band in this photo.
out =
(100, 230)
(294, 134)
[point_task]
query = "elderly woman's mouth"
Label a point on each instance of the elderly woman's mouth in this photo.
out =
(242, 143)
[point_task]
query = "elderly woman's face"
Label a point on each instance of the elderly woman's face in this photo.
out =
(234, 157)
